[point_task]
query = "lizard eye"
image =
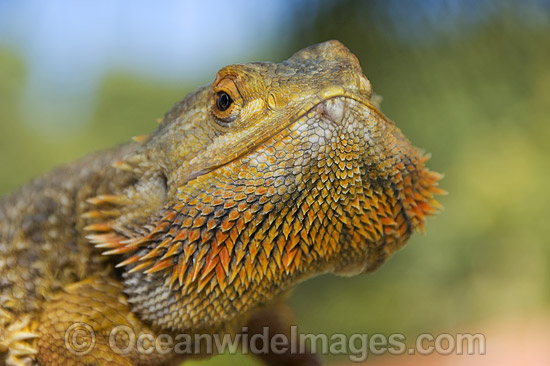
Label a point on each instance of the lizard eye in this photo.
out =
(224, 101)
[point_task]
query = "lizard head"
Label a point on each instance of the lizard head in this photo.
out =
(248, 104)
(272, 174)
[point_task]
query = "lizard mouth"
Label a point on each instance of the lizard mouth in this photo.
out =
(332, 108)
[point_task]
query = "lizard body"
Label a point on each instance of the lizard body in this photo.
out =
(271, 175)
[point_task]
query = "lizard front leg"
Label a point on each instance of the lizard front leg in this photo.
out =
(75, 328)
(17, 339)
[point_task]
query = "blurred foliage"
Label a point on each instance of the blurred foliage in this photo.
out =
(126, 106)
(477, 97)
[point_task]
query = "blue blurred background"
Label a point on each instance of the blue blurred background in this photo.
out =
(469, 81)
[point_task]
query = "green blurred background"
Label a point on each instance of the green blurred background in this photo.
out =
(468, 81)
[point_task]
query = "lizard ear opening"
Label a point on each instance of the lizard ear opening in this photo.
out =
(226, 100)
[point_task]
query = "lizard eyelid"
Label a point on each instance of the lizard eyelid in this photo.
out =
(226, 102)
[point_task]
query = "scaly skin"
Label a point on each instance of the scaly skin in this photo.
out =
(273, 174)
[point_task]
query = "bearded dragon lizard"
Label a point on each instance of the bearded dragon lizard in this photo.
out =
(271, 175)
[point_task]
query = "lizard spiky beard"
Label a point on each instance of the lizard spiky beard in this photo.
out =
(336, 189)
